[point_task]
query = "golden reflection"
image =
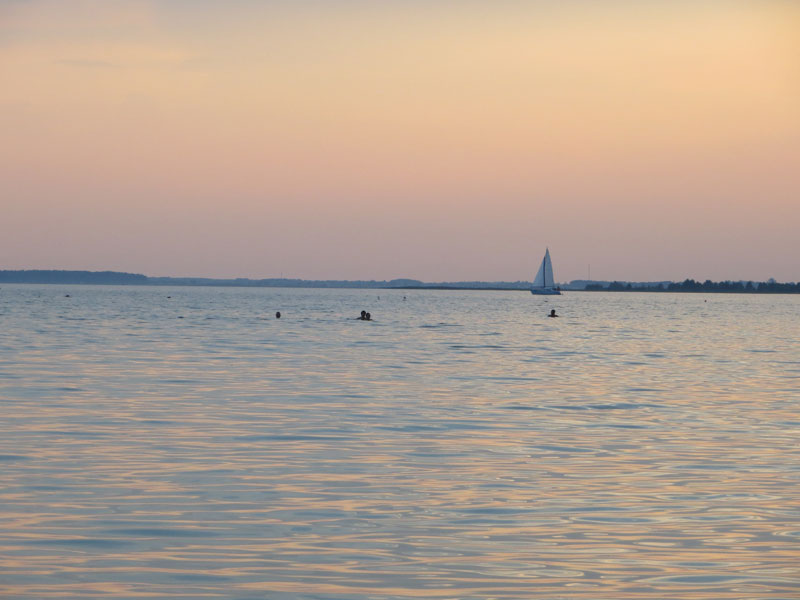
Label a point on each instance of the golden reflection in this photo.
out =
(516, 467)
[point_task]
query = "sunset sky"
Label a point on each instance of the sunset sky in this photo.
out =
(439, 140)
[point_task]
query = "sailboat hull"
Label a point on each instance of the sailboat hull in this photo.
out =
(545, 292)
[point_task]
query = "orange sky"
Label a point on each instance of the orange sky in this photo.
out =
(440, 140)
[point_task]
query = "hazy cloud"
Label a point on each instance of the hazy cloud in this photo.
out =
(196, 63)
(87, 63)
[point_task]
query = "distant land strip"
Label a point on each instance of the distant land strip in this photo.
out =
(63, 277)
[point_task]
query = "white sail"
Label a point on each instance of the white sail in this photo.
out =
(544, 278)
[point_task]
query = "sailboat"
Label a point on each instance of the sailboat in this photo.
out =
(544, 284)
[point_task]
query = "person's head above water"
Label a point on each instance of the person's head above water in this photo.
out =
(278, 315)
(552, 313)
(363, 315)
(368, 317)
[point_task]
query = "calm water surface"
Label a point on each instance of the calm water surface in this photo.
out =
(463, 445)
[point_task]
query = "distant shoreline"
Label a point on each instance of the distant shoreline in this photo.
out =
(63, 277)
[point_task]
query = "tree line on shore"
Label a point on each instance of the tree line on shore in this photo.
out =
(690, 285)
(72, 277)
(118, 278)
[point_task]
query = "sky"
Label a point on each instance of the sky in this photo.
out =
(441, 140)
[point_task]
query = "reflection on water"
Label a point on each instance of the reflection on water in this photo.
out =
(462, 445)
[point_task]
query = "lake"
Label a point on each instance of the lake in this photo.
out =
(183, 443)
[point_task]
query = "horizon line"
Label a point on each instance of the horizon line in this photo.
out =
(410, 280)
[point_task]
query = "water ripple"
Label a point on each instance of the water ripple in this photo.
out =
(631, 450)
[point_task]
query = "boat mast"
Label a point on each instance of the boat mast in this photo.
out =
(544, 272)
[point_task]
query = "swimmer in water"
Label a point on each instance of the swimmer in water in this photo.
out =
(278, 315)
(368, 317)
(552, 313)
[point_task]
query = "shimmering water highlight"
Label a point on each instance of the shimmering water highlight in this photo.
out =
(463, 445)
